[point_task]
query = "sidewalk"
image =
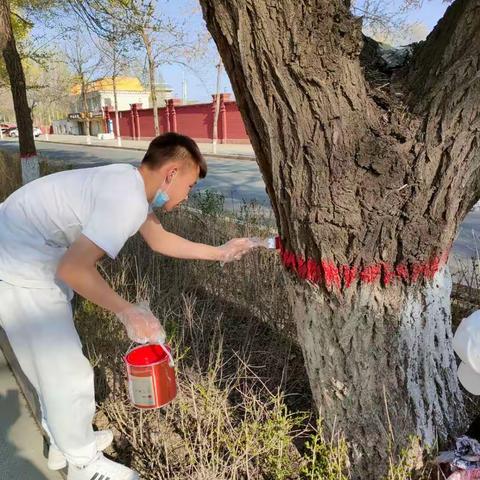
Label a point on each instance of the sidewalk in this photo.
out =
(21, 443)
(228, 150)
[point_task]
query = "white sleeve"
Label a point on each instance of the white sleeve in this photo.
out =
(113, 220)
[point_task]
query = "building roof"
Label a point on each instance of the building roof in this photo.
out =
(124, 84)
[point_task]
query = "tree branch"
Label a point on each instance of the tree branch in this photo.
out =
(23, 20)
(443, 87)
(452, 47)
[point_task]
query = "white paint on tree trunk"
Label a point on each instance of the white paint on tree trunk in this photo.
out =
(426, 343)
(30, 169)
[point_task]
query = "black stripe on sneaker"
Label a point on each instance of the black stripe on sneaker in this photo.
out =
(95, 477)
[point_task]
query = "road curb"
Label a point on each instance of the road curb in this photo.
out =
(248, 158)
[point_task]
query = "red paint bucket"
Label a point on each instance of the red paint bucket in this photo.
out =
(151, 376)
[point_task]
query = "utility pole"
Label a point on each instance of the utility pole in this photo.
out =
(217, 108)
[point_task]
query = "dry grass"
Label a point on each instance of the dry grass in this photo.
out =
(244, 407)
(243, 392)
(10, 175)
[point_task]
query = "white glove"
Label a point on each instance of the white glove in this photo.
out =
(235, 249)
(141, 324)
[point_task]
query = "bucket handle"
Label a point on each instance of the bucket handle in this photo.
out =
(169, 355)
(171, 363)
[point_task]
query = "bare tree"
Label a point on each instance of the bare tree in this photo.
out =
(7, 111)
(86, 66)
(369, 182)
(49, 88)
(104, 21)
(114, 49)
(163, 39)
(385, 20)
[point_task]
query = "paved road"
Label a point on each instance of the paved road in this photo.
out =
(238, 180)
(21, 443)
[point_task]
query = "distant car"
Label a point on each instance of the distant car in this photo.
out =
(7, 131)
(14, 132)
(7, 127)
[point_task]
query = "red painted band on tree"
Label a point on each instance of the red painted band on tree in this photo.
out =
(332, 275)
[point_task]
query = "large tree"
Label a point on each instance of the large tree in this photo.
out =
(369, 174)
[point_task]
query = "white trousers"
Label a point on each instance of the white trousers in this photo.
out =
(39, 326)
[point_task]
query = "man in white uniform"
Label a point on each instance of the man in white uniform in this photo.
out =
(53, 231)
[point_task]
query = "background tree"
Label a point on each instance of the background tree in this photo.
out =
(115, 52)
(368, 180)
(21, 28)
(49, 89)
(17, 23)
(164, 40)
(16, 77)
(7, 112)
(111, 36)
(85, 64)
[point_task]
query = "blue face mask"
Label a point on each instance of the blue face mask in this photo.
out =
(160, 199)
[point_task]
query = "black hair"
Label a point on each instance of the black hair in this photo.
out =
(173, 146)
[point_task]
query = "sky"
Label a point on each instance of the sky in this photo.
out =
(428, 15)
(201, 79)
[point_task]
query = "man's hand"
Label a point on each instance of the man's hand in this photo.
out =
(175, 246)
(141, 325)
(235, 249)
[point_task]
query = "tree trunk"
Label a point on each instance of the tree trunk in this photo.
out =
(368, 180)
(380, 364)
(117, 118)
(86, 124)
(217, 109)
(28, 152)
(153, 90)
(151, 72)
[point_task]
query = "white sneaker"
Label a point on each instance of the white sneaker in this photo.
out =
(101, 469)
(57, 460)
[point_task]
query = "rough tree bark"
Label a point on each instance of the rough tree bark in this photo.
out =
(28, 152)
(369, 175)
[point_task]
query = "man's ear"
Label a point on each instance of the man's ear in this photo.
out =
(171, 174)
